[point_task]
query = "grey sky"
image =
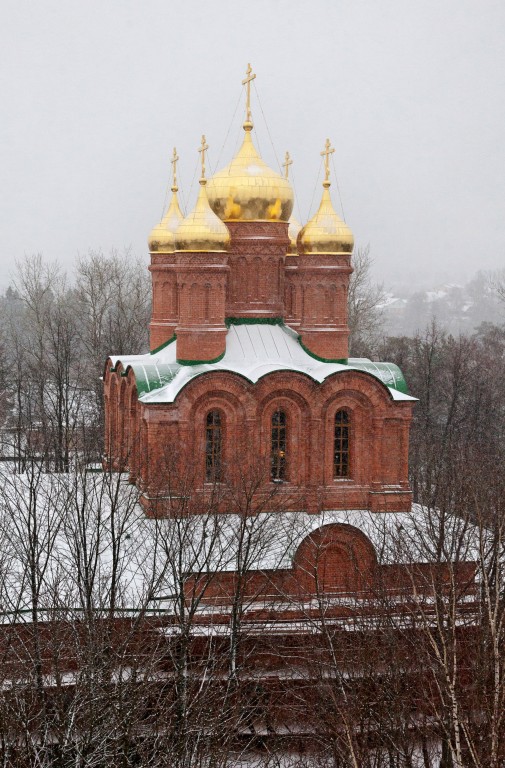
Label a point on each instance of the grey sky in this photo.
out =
(95, 94)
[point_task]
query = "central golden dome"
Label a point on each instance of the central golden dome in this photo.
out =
(248, 190)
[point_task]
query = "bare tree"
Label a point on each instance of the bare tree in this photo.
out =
(364, 297)
(496, 281)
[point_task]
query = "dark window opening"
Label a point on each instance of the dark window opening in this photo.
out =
(341, 466)
(213, 448)
(278, 447)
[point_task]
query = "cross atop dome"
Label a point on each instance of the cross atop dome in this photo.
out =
(287, 162)
(327, 151)
(247, 82)
(174, 161)
(203, 148)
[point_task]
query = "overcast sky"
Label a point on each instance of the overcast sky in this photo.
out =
(95, 94)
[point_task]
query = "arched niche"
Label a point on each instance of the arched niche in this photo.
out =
(335, 559)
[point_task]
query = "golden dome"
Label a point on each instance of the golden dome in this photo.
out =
(248, 190)
(202, 230)
(293, 231)
(161, 239)
(326, 232)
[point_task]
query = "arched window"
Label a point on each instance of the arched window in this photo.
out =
(341, 465)
(213, 447)
(278, 447)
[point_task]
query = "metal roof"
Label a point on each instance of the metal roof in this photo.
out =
(253, 350)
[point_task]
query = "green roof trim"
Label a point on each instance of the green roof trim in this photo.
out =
(162, 346)
(253, 321)
(389, 373)
(202, 362)
(342, 361)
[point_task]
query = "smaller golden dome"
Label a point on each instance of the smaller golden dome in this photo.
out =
(161, 239)
(202, 230)
(294, 229)
(326, 232)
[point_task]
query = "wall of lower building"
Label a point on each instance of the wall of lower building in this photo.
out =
(163, 445)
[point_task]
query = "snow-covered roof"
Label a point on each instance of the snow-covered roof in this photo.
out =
(273, 538)
(253, 350)
(92, 524)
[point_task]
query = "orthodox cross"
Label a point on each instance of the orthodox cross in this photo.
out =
(173, 161)
(287, 162)
(204, 147)
(326, 154)
(249, 78)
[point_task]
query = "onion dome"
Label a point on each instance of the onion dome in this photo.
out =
(326, 232)
(248, 190)
(161, 239)
(202, 230)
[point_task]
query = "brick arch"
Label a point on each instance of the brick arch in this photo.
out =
(361, 383)
(231, 386)
(122, 423)
(233, 419)
(297, 412)
(300, 394)
(379, 429)
(361, 414)
(295, 384)
(112, 421)
(108, 368)
(132, 425)
(336, 558)
(132, 447)
(107, 375)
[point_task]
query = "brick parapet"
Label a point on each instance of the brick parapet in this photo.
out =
(201, 284)
(256, 282)
(165, 305)
(320, 290)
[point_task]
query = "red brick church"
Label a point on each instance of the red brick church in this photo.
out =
(249, 362)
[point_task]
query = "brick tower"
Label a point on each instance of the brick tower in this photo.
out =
(165, 309)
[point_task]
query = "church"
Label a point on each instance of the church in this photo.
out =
(249, 370)
(279, 466)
